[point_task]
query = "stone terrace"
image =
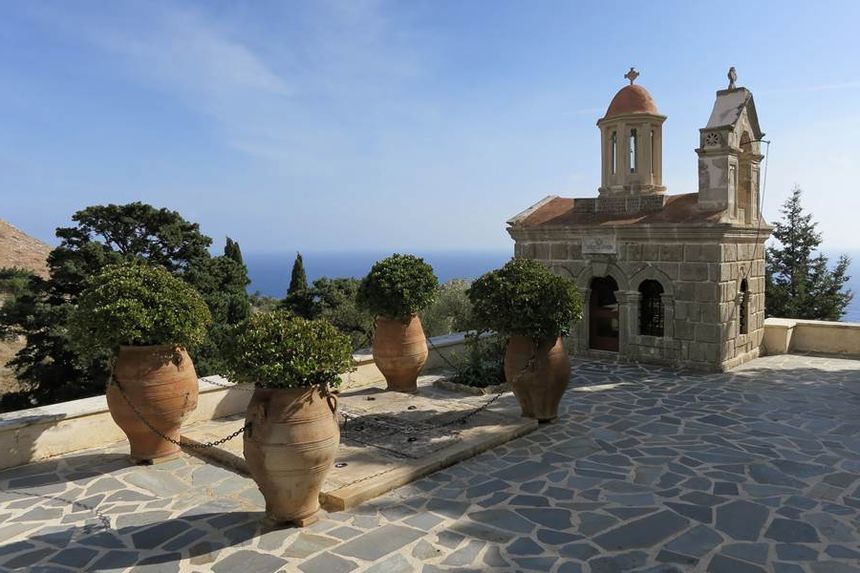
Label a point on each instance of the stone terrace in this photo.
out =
(648, 469)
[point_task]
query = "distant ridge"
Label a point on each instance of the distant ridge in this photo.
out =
(18, 249)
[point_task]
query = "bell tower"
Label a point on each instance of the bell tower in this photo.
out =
(729, 156)
(631, 143)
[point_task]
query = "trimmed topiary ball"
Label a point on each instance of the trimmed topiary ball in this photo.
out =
(281, 350)
(397, 287)
(525, 298)
(138, 305)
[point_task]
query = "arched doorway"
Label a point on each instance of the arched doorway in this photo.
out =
(603, 314)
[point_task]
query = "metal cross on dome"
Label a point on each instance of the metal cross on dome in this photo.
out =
(632, 75)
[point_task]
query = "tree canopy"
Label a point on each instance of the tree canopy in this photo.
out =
(112, 234)
(801, 283)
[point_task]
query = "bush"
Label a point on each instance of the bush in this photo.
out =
(450, 312)
(280, 350)
(525, 298)
(137, 304)
(397, 287)
(483, 362)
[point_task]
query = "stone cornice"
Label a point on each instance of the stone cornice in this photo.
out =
(645, 233)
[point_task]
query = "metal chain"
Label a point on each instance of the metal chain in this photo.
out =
(181, 444)
(231, 386)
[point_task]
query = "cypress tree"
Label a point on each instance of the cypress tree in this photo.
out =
(232, 251)
(298, 278)
(800, 282)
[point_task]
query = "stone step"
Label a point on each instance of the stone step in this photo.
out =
(388, 439)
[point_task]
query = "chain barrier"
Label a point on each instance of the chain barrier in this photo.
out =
(349, 419)
(162, 435)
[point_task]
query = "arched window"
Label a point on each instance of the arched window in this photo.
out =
(632, 149)
(651, 308)
(743, 319)
(613, 152)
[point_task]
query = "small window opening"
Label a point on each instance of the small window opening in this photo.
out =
(743, 319)
(632, 149)
(652, 152)
(651, 310)
(613, 143)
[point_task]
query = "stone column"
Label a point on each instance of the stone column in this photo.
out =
(668, 301)
(628, 319)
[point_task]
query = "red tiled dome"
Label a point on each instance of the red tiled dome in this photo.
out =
(632, 99)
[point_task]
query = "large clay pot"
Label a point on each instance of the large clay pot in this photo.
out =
(538, 376)
(289, 448)
(161, 383)
(400, 352)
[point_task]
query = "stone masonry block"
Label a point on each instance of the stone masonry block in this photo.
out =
(694, 272)
(650, 252)
(684, 329)
(710, 313)
(686, 291)
(707, 292)
(729, 253)
(693, 253)
(574, 250)
(707, 332)
(558, 251)
(542, 251)
(672, 270)
(672, 253)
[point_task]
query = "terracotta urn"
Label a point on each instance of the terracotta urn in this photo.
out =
(537, 375)
(400, 351)
(289, 447)
(160, 382)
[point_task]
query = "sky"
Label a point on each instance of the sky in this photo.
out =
(425, 125)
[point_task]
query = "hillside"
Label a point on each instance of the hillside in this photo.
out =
(18, 249)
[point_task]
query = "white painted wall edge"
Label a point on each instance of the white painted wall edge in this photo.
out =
(46, 431)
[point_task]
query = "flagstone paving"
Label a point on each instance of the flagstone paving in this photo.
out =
(647, 469)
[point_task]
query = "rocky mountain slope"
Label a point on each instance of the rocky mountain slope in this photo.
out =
(18, 249)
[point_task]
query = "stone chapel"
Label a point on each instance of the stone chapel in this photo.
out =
(672, 279)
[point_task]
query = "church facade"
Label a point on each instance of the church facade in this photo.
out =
(672, 279)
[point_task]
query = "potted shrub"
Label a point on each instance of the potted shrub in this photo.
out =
(534, 308)
(292, 434)
(394, 291)
(146, 319)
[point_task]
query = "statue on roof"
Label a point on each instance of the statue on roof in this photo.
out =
(733, 77)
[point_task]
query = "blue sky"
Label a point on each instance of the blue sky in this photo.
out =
(412, 125)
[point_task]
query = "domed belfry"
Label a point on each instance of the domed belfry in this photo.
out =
(631, 143)
(666, 278)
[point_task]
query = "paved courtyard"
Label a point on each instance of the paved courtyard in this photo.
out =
(648, 469)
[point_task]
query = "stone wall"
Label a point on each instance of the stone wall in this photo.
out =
(700, 278)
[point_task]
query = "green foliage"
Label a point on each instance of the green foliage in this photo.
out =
(334, 300)
(263, 303)
(232, 251)
(300, 298)
(137, 304)
(105, 235)
(800, 283)
(298, 277)
(398, 287)
(525, 298)
(482, 363)
(451, 311)
(281, 350)
(14, 282)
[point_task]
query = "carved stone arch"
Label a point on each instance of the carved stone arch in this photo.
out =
(650, 272)
(602, 269)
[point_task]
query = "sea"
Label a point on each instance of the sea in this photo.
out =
(270, 272)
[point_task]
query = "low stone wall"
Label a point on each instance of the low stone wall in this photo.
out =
(47, 431)
(788, 335)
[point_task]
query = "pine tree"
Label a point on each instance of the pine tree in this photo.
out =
(800, 282)
(232, 251)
